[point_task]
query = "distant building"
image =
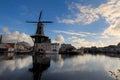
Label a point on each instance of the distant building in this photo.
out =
(55, 47)
(7, 47)
(11, 47)
(108, 49)
(66, 48)
(22, 46)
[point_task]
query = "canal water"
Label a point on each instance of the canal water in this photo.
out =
(60, 67)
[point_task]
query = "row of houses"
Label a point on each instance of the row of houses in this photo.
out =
(41, 47)
(107, 49)
(11, 47)
(53, 48)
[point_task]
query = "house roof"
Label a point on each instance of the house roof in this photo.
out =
(2, 46)
(7, 45)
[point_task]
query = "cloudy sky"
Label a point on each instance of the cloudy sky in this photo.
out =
(79, 22)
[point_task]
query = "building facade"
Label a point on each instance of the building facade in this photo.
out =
(66, 48)
(55, 47)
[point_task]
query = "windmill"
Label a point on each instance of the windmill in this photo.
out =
(40, 25)
(40, 40)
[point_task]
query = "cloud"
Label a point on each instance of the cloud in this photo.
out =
(6, 30)
(113, 30)
(110, 11)
(81, 63)
(81, 34)
(59, 38)
(15, 64)
(67, 21)
(85, 14)
(85, 43)
(16, 37)
(79, 39)
(88, 14)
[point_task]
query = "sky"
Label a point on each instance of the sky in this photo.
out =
(82, 23)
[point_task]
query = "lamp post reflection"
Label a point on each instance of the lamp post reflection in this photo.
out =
(40, 64)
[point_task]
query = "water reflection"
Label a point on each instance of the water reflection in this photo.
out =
(59, 67)
(40, 64)
(15, 68)
(82, 68)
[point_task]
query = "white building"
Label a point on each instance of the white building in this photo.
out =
(55, 47)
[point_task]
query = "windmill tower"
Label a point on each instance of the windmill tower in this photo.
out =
(42, 43)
